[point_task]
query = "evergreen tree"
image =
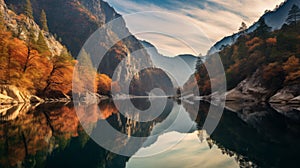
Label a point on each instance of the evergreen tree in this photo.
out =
(2, 25)
(41, 44)
(28, 9)
(294, 15)
(263, 29)
(30, 45)
(199, 63)
(43, 21)
(243, 27)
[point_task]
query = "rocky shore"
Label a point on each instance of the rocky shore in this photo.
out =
(11, 95)
(253, 89)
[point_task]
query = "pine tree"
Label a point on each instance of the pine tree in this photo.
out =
(43, 21)
(41, 44)
(2, 25)
(263, 29)
(243, 27)
(28, 9)
(30, 44)
(294, 15)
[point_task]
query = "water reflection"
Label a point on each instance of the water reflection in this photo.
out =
(50, 135)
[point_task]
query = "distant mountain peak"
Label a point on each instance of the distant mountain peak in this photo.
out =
(275, 19)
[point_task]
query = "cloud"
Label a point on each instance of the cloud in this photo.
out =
(189, 26)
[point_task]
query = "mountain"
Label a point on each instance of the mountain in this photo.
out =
(275, 19)
(171, 64)
(32, 60)
(14, 23)
(262, 65)
(74, 21)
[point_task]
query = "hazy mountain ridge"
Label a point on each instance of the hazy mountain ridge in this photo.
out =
(275, 19)
(170, 64)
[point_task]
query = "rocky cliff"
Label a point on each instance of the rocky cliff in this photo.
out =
(75, 20)
(254, 89)
(20, 26)
(262, 65)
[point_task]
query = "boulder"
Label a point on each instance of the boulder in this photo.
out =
(295, 100)
(281, 97)
(288, 94)
(251, 89)
(12, 93)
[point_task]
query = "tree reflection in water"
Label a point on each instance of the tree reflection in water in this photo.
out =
(50, 135)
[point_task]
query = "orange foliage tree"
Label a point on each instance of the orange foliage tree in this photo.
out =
(60, 73)
(292, 69)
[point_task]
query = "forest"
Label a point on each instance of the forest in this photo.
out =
(29, 64)
(275, 54)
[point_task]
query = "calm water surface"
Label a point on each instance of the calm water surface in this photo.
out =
(52, 136)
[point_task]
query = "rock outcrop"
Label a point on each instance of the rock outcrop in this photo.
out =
(254, 89)
(11, 94)
(20, 25)
(83, 18)
(250, 89)
(287, 95)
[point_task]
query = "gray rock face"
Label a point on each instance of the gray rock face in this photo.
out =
(289, 110)
(295, 100)
(20, 27)
(250, 89)
(288, 94)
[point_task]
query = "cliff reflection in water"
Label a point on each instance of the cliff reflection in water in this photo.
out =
(34, 136)
(52, 136)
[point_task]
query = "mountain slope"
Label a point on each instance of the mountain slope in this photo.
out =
(15, 22)
(275, 19)
(261, 66)
(181, 66)
(75, 20)
(31, 58)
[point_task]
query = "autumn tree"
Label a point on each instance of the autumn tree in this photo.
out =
(4, 55)
(103, 84)
(43, 21)
(60, 75)
(294, 15)
(30, 54)
(2, 25)
(292, 69)
(28, 9)
(272, 75)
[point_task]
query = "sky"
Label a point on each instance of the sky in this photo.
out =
(191, 26)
